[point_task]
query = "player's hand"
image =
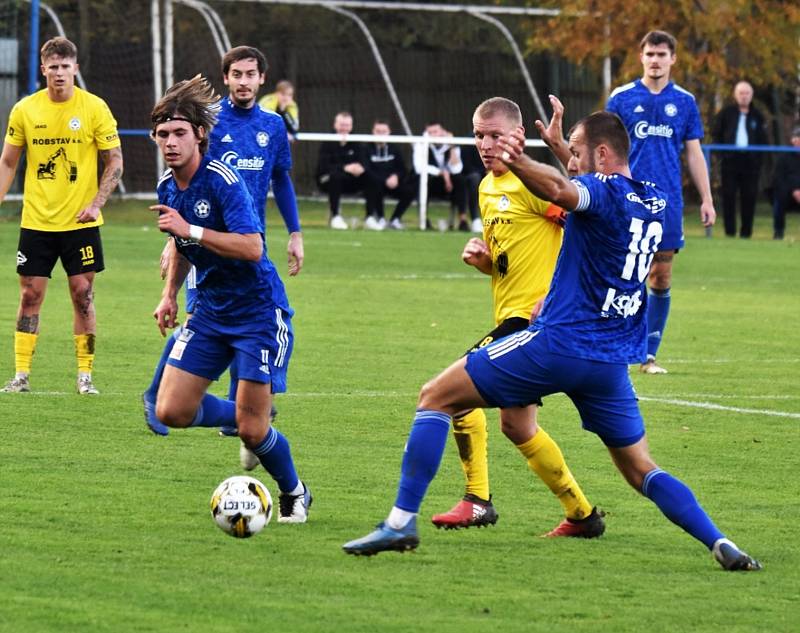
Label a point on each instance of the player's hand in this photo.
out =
(166, 314)
(476, 253)
(537, 310)
(511, 147)
(166, 257)
(707, 214)
(89, 214)
(796, 195)
(170, 221)
(392, 182)
(553, 134)
(295, 253)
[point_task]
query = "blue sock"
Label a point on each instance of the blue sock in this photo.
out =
(276, 457)
(657, 313)
(215, 412)
(676, 501)
(422, 457)
(152, 390)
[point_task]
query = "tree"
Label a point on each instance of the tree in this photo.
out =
(719, 42)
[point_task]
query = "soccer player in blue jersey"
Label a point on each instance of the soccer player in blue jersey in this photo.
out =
(661, 119)
(242, 314)
(254, 142)
(591, 326)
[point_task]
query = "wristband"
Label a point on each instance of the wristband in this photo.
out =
(195, 233)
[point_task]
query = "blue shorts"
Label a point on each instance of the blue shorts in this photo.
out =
(519, 369)
(191, 290)
(672, 239)
(260, 348)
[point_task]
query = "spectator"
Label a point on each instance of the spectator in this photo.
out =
(282, 103)
(474, 172)
(443, 168)
(786, 186)
(341, 167)
(742, 125)
(385, 176)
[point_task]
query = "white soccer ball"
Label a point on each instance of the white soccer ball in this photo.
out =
(241, 506)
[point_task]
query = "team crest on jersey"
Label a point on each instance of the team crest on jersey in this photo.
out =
(202, 208)
(74, 124)
(671, 109)
(262, 138)
(504, 203)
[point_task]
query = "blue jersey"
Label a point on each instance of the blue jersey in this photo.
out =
(253, 141)
(659, 125)
(596, 307)
(217, 199)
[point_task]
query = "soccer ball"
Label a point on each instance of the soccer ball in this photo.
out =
(241, 506)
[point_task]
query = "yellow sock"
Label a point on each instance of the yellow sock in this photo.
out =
(84, 350)
(471, 435)
(546, 460)
(24, 347)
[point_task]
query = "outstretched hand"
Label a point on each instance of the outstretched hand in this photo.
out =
(511, 147)
(553, 134)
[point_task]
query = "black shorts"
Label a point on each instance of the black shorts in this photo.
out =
(509, 326)
(80, 251)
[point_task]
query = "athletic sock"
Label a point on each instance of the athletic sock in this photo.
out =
(657, 313)
(24, 347)
(276, 457)
(84, 352)
(676, 501)
(422, 457)
(152, 390)
(214, 412)
(471, 435)
(546, 460)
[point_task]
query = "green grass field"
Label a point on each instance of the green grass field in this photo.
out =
(105, 527)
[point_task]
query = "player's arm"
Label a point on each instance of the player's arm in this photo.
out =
(245, 246)
(283, 189)
(542, 180)
(9, 160)
(112, 173)
(553, 134)
(476, 253)
(698, 170)
(166, 312)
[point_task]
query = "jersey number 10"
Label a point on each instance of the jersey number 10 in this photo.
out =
(641, 249)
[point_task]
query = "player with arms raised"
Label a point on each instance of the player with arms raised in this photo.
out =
(242, 314)
(591, 325)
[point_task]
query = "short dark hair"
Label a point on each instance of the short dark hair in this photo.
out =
(59, 46)
(605, 128)
(502, 106)
(191, 100)
(657, 38)
(238, 53)
(381, 122)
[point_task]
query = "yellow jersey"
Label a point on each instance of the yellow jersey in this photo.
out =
(61, 141)
(524, 235)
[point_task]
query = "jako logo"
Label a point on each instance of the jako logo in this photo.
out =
(643, 129)
(256, 163)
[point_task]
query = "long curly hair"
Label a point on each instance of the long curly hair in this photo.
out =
(191, 100)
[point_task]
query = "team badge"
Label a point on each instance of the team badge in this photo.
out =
(504, 203)
(21, 259)
(671, 109)
(262, 138)
(202, 208)
(74, 124)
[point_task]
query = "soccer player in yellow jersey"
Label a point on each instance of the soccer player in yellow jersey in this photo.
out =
(520, 245)
(62, 129)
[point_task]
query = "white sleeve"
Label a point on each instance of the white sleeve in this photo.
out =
(455, 167)
(584, 198)
(420, 159)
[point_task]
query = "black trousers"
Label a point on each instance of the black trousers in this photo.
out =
(338, 183)
(739, 179)
(375, 190)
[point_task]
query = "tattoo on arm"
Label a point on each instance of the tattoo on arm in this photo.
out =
(111, 174)
(28, 324)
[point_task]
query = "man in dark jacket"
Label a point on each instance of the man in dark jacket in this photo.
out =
(786, 186)
(341, 167)
(385, 176)
(742, 125)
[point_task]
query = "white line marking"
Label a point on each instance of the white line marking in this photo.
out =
(425, 276)
(719, 407)
(723, 361)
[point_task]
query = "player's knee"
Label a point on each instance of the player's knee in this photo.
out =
(173, 416)
(429, 396)
(252, 434)
(30, 298)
